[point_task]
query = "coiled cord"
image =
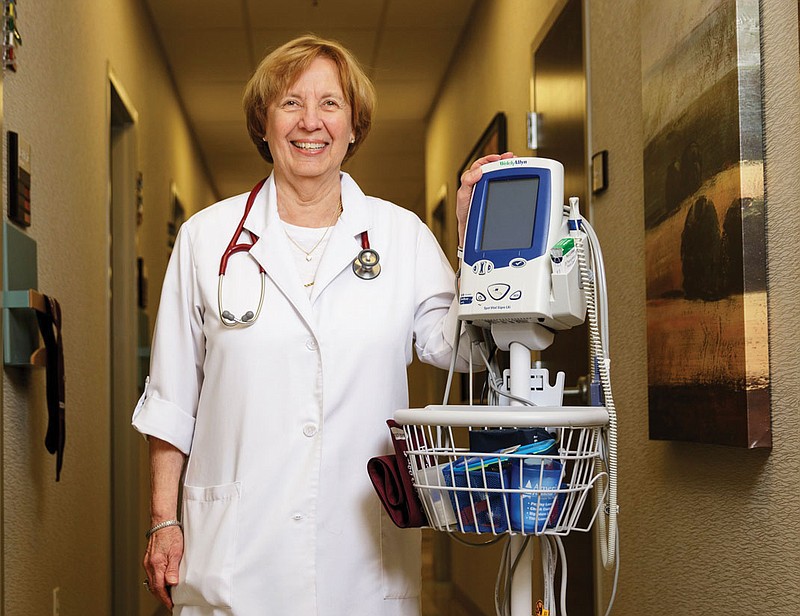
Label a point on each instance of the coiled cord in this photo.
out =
(607, 520)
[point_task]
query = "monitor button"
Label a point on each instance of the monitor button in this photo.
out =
(519, 262)
(498, 291)
(515, 295)
(482, 267)
(480, 297)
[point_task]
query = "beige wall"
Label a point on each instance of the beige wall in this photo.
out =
(491, 73)
(705, 529)
(59, 534)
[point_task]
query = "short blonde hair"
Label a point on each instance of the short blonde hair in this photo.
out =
(282, 67)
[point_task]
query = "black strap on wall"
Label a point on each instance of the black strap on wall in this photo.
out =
(50, 327)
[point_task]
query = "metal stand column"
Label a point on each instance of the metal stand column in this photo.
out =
(521, 595)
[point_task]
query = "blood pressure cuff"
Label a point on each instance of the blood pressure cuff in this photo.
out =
(392, 480)
(495, 439)
(50, 328)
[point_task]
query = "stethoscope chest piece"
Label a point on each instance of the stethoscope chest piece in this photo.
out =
(367, 264)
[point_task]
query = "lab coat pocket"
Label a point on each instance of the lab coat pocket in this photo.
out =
(210, 527)
(400, 560)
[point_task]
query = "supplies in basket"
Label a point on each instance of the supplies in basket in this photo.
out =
(495, 439)
(482, 484)
(537, 504)
(436, 499)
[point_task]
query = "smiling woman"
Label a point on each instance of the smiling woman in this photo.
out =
(281, 69)
(308, 107)
(308, 129)
(274, 413)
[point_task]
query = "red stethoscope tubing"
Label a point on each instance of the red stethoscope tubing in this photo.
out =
(365, 265)
(235, 247)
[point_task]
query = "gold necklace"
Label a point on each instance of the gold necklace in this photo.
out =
(309, 253)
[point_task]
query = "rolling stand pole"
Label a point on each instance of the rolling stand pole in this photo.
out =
(520, 386)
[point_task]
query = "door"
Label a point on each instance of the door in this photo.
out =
(559, 92)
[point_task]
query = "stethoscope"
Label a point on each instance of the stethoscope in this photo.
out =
(366, 265)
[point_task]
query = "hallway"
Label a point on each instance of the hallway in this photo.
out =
(99, 100)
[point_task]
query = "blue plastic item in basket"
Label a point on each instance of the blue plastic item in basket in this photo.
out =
(538, 506)
(477, 510)
(486, 511)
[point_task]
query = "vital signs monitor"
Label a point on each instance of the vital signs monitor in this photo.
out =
(520, 262)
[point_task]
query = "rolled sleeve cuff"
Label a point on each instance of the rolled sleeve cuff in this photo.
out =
(164, 420)
(451, 321)
(439, 354)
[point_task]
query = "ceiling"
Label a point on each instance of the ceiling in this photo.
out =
(213, 46)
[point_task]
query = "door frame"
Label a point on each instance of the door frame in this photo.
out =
(122, 123)
(3, 200)
(586, 205)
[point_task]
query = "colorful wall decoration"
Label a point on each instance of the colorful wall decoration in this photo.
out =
(708, 350)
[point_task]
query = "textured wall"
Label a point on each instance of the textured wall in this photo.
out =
(705, 529)
(59, 534)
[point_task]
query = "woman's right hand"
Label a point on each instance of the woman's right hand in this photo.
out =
(161, 562)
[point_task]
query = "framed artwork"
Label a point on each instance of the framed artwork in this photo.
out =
(177, 216)
(708, 350)
(439, 221)
(493, 140)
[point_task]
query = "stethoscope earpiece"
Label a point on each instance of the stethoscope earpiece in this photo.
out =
(366, 265)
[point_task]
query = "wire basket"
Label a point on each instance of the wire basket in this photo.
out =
(530, 488)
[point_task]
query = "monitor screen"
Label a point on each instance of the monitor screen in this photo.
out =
(509, 214)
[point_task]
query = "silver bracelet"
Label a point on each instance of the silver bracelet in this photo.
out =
(161, 525)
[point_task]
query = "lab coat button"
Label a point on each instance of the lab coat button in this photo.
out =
(311, 344)
(309, 430)
(297, 517)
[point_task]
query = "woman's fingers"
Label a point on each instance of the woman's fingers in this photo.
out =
(464, 193)
(471, 176)
(490, 158)
(162, 562)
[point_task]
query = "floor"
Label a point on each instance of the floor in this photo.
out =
(438, 598)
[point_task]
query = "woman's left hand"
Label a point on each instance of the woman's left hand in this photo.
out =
(468, 180)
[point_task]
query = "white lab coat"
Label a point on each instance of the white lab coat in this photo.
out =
(279, 419)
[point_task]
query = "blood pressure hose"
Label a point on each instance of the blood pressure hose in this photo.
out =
(607, 529)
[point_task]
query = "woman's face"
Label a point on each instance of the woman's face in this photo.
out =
(309, 127)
